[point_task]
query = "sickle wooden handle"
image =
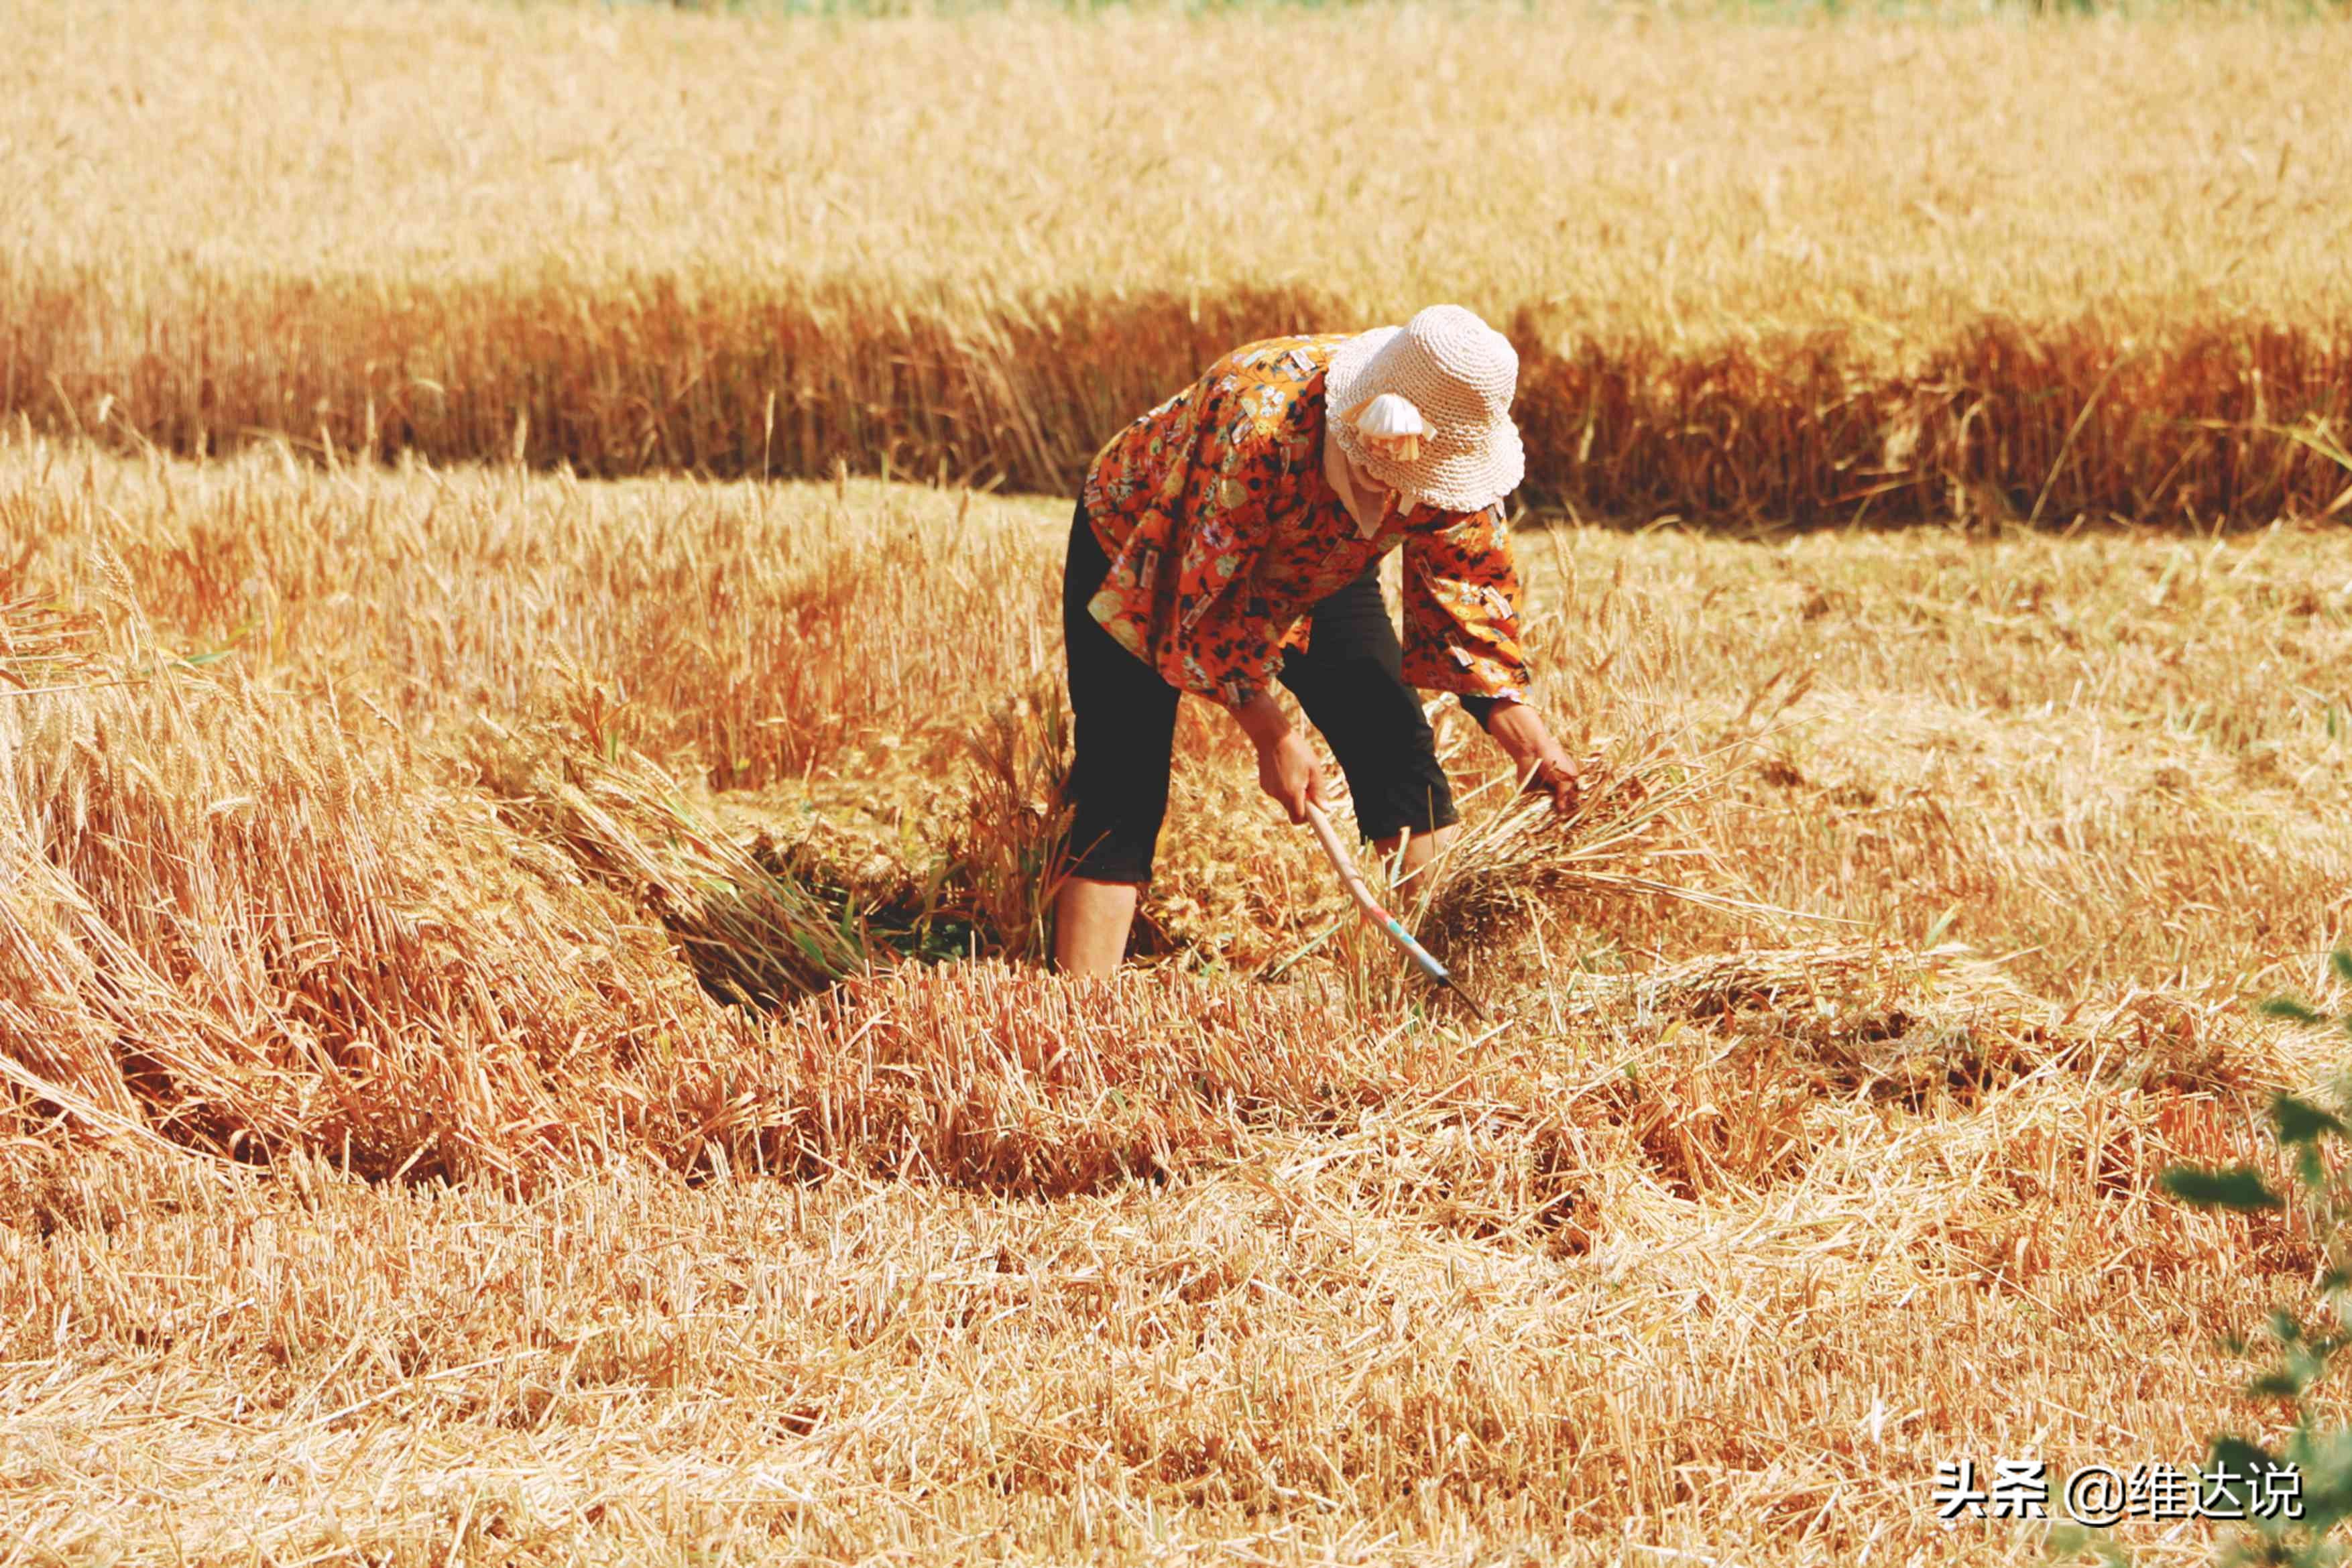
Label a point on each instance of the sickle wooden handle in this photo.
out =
(1345, 864)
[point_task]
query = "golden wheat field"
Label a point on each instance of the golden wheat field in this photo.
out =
(530, 716)
(387, 1183)
(1755, 271)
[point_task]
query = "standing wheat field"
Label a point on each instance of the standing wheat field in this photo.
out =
(1755, 272)
(530, 723)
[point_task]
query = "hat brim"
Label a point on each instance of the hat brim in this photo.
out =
(1351, 362)
(1467, 481)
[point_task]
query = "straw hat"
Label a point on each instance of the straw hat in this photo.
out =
(1425, 408)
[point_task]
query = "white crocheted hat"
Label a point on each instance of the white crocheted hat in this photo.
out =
(1459, 374)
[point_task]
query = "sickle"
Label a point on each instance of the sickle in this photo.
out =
(1346, 866)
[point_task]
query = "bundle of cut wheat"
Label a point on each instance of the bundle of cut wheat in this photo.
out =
(753, 933)
(1633, 833)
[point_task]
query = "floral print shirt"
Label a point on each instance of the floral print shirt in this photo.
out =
(1222, 532)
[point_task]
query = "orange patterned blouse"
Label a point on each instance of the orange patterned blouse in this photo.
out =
(1222, 532)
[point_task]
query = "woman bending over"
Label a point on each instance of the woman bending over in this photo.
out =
(1232, 538)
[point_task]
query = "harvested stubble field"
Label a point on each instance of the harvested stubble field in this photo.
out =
(429, 1135)
(1992, 265)
(386, 1183)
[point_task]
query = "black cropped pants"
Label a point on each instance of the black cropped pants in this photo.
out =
(1350, 681)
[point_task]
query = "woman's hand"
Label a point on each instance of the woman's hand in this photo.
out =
(1287, 768)
(1287, 772)
(1542, 764)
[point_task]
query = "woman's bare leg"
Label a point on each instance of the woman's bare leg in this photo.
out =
(1420, 849)
(1090, 924)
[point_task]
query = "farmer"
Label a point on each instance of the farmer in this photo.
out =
(1232, 535)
